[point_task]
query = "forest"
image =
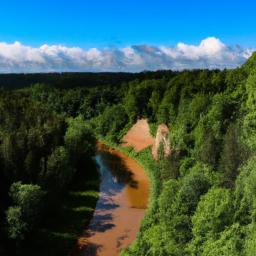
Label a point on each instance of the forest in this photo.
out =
(203, 198)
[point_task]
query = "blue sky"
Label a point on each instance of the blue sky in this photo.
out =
(117, 24)
(103, 23)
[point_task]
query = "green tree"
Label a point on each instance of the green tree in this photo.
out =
(213, 214)
(59, 171)
(250, 118)
(79, 141)
(230, 242)
(17, 227)
(112, 122)
(231, 156)
(25, 213)
(245, 191)
(250, 240)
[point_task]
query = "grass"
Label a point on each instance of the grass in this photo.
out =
(78, 207)
(74, 215)
(145, 159)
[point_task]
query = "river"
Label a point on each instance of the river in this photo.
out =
(124, 193)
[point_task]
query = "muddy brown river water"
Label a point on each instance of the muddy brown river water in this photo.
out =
(124, 193)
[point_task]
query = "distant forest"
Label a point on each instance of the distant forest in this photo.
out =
(203, 196)
(72, 80)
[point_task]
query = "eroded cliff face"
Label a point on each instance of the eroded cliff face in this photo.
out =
(139, 138)
(162, 137)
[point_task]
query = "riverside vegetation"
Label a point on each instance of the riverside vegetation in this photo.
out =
(203, 196)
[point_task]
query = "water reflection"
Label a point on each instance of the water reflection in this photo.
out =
(117, 167)
(119, 208)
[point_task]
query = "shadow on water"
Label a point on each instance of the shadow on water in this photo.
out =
(106, 205)
(101, 223)
(91, 249)
(115, 176)
(66, 221)
(118, 169)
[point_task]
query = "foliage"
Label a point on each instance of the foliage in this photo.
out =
(17, 227)
(79, 140)
(23, 216)
(112, 121)
(202, 196)
(213, 214)
(40, 155)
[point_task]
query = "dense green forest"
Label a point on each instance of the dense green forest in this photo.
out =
(72, 80)
(41, 155)
(203, 199)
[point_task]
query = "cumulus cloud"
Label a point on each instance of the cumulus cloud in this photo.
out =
(210, 53)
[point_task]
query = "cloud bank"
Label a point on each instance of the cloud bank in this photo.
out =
(210, 53)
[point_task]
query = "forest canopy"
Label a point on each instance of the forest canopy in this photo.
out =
(204, 194)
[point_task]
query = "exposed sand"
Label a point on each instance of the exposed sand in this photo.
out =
(139, 136)
(122, 203)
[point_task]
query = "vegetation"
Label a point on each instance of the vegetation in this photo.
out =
(202, 210)
(203, 195)
(41, 157)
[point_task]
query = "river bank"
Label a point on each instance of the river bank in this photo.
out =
(124, 194)
(66, 222)
(150, 166)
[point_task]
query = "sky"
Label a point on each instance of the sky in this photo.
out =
(112, 35)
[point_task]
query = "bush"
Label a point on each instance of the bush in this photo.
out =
(25, 215)
(213, 214)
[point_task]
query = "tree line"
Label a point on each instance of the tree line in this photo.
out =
(40, 154)
(204, 199)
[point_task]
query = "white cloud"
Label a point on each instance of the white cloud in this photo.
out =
(210, 53)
